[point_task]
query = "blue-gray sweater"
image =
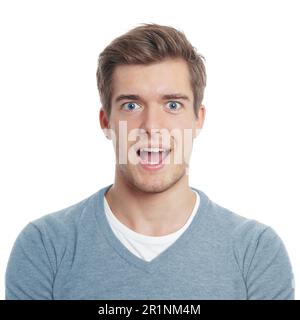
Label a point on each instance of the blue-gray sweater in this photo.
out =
(74, 254)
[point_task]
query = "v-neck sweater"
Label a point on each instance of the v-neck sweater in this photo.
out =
(144, 246)
(73, 254)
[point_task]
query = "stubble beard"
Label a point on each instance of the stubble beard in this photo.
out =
(151, 184)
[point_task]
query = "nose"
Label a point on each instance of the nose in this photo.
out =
(152, 119)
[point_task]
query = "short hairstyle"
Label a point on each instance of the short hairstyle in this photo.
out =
(146, 44)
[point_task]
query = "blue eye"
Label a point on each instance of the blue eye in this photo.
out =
(174, 105)
(130, 106)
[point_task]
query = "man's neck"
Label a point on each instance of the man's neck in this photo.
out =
(152, 214)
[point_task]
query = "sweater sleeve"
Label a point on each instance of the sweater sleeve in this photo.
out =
(269, 274)
(29, 273)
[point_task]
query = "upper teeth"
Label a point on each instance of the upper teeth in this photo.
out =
(153, 150)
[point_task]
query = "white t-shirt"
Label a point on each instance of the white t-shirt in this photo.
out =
(145, 247)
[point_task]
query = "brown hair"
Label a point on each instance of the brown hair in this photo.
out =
(146, 44)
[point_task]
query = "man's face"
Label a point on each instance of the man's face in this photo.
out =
(145, 114)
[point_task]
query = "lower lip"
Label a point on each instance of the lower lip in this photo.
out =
(154, 167)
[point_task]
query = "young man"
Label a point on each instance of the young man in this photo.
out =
(149, 235)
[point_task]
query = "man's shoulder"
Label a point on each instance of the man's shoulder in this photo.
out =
(230, 224)
(247, 237)
(237, 222)
(255, 247)
(69, 218)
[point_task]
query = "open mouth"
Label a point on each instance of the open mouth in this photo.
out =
(152, 156)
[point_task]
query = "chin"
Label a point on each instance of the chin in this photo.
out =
(154, 187)
(153, 184)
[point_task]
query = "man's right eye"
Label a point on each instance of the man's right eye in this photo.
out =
(129, 106)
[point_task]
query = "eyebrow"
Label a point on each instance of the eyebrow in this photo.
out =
(177, 96)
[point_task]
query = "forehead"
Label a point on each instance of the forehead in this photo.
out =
(171, 75)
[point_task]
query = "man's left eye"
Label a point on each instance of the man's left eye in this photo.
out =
(174, 105)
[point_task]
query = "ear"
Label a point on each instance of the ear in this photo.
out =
(104, 123)
(200, 119)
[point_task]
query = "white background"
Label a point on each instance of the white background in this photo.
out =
(54, 154)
